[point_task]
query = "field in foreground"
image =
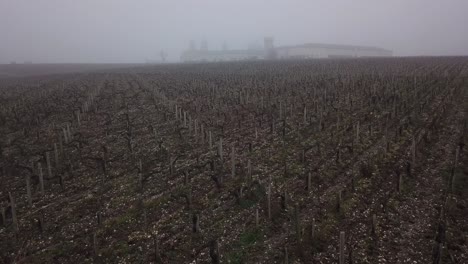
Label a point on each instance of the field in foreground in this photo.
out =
(258, 162)
(8, 71)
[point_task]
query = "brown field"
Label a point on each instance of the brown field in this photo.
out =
(33, 70)
(243, 162)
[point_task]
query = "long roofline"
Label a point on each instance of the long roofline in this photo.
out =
(334, 46)
(213, 52)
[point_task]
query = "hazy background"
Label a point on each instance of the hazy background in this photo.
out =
(108, 31)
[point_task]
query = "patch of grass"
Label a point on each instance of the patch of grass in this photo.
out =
(294, 169)
(347, 205)
(327, 225)
(155, 202)
(180, 190)
(249, 238)
(371, 247)
(118, 201)
(393, 204)
(61, 250)
(460, 183)
(246, 240)
(451, 207)
(259, 191)
(56, 253)
(362, 184)
(253, 196)
(324, 231)
(121, 248)
(247, 203)
(121, 221)
(236, 257)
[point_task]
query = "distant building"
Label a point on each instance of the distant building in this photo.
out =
(316, 50)
(193, 46)
(204, 45)
(269, 51)
(163, 55)
(221, 55)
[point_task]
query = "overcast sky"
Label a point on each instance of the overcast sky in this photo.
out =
(135, 30)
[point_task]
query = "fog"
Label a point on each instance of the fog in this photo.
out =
(119, 31)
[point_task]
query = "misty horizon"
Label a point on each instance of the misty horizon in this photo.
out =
(52, 31)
